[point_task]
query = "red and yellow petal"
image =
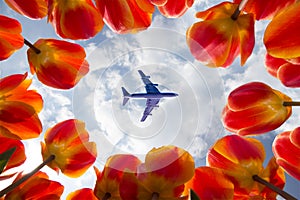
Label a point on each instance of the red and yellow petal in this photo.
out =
(10, 36)
(84, 193)
(210, 183)
(295, 137)
(174, 8)
(289, 75)
(281, 38)
(34, 9)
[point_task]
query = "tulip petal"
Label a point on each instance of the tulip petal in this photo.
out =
(35, 9)
(281, 38)
(174, 8)
(84, 193)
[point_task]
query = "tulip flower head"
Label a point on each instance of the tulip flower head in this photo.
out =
(69, 142)
(10, 36)
(37, 187)
(286, 149)
(19, 108)
(75, 19)
(255, 108)
(59, 64)
(34, 9)
(126, 16)
(219, 39)
(172, 8)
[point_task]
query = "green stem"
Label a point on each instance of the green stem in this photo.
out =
(155, 196)
(106, 196)
(26, 176)
(274, 188)
(238, 10)
(30, 45)
(291, 103)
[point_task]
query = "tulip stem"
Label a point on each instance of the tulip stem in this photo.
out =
(238, 10)
(26, 176)
(155, 196)
(273, 187)
(106, 196)
(30, 45)
(291, 103)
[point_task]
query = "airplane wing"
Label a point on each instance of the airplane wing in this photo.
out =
(150, 104)
(150, 87)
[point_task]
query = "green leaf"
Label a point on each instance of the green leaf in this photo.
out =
(193, 195)
(5, 156)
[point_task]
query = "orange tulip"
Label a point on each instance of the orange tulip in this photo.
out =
(75, 19)
(210, 183)
(37, 187)
(34, 9)
(163, 175)
(286, 149)
(265, 9)
(109, 180)
(69, 142)
(59, 64)
(255, 108)
(281, 38)
(287, 71)
(85, 193)
(126, 16)
(172, 8)
(17, 158)
(19, 108)
(240, 159)
(219, 39)
(10, 36)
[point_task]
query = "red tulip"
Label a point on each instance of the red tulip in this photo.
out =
(85, 193)
(255, 108)
(108, 181)
(126, 16)
(37, 187)
(19, 108)
(172, 8)
(59, 64)
(219, 39)
(10, 36)
(75, 19)
(286, 149)
(34, 9)
(286, 71)
(69, 142)
(163, 175)
(210, 183)
(281, 37)
(265, 9)
(240, 159)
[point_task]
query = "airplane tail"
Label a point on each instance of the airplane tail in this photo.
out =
(126, 96)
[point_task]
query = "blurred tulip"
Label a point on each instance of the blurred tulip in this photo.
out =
(281, 38)
(265, 9)
(255, 108)
(286, 149)
(285, 70)
(75, 19)
(242, 158)
(59, 64)
(10, 36)
(163, 175)
(85, 193)
(219, 39)
(19, 108)
(69, 142)
(172, 8)
(34, 9)
(37, 187)
(126, 16)
(109, 180)
(18, 157)
(210, 183)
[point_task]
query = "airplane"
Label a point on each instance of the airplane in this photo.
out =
(153, 95)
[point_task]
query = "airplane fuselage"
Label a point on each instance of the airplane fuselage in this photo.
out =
(152, 96)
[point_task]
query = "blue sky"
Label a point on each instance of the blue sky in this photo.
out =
(191, 121)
